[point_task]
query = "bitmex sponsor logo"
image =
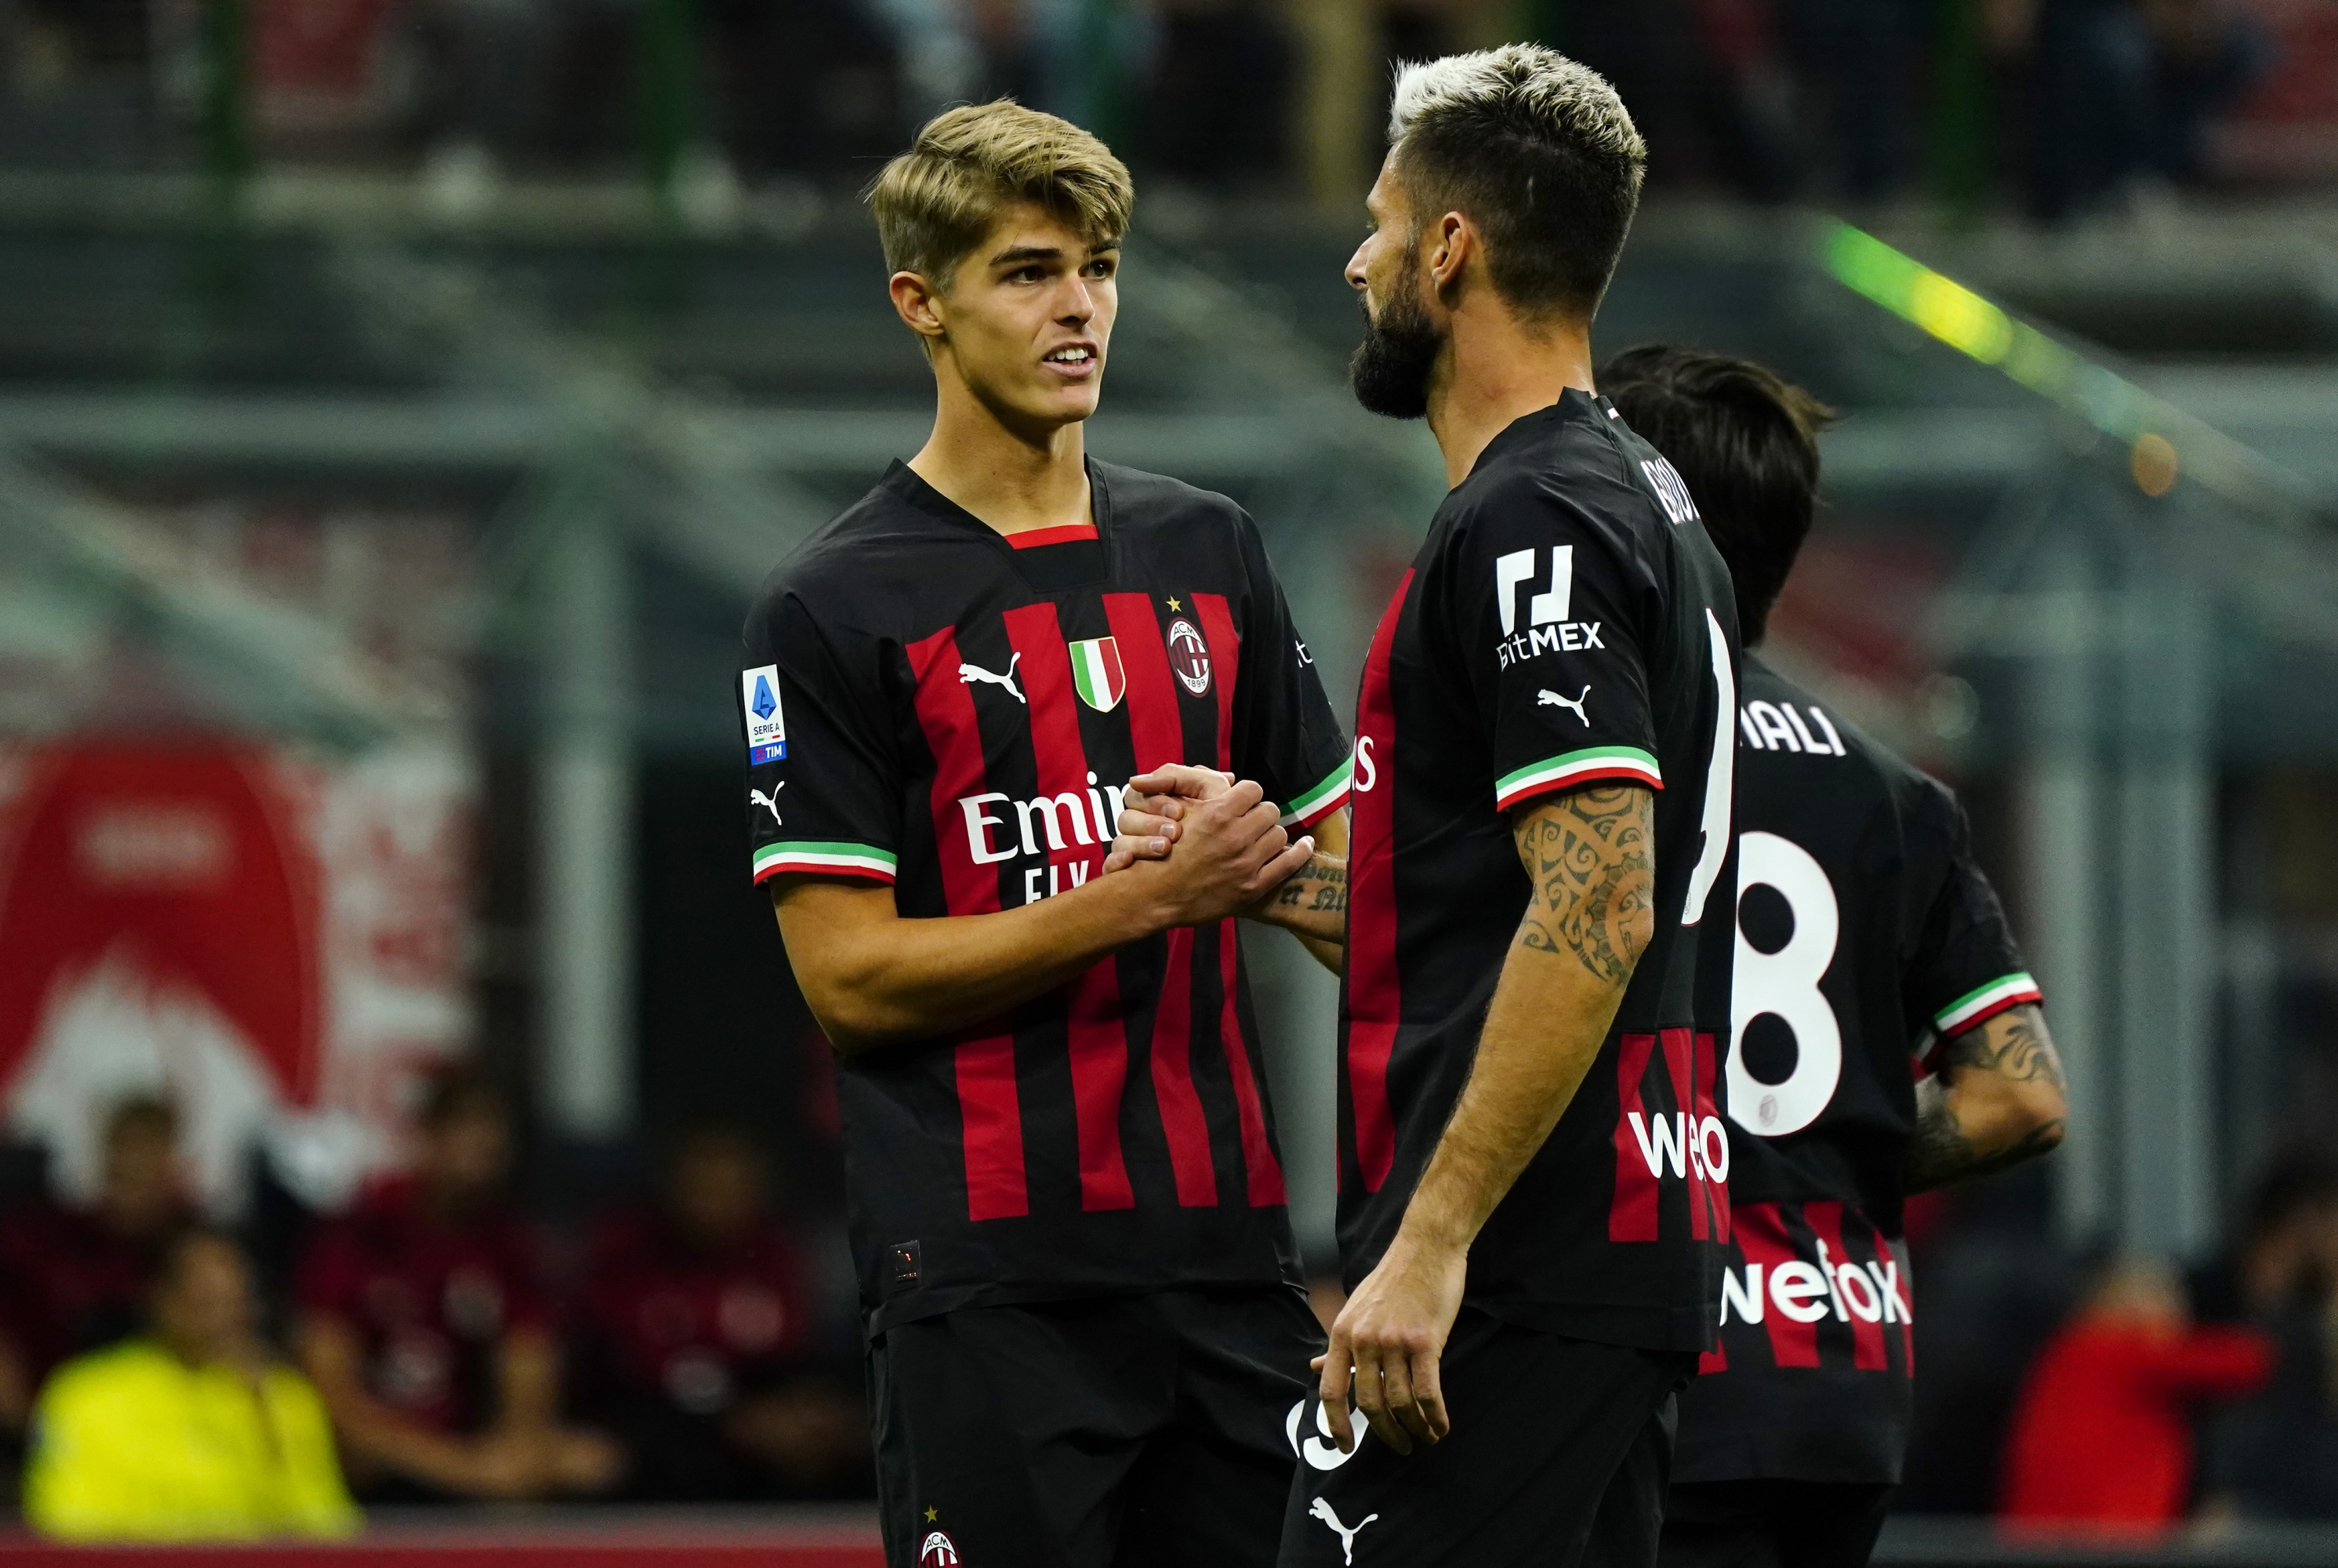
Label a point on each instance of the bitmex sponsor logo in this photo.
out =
(1806, 1292)
(1000, 828)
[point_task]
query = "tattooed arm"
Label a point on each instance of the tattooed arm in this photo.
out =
(1312, 904)
(1995, 1101)
(1591, 856)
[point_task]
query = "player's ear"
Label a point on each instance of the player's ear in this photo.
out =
(919, 306)
(1448, 250)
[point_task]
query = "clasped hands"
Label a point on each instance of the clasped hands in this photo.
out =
(1213, 844)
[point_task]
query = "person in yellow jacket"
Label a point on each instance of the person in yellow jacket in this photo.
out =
(193, 1433)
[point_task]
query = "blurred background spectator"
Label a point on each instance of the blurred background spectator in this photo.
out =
(74, 1277)
(2102, 1439)
(701, 1329)
(425, 1322)
(195, 1431)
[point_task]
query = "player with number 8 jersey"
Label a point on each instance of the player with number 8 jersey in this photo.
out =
(1861, 927)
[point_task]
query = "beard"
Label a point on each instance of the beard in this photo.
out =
(1391, 371)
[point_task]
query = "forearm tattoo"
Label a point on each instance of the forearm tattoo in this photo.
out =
(1591, 855)
(2019, 1052)
(1321, 883)
(2014, 1046)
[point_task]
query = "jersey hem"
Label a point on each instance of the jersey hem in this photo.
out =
(825, 859)
(1574, 768)
(1323, 800)
(925, 1304)
(1984, 1003)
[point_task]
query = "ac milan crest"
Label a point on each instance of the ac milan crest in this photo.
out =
(1189, 656)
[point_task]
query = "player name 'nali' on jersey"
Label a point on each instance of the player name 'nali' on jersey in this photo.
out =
(1863, 925)
(1567, 622)
(931, 705)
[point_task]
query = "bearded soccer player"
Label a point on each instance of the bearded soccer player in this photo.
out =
(1083, 1304)
(1530, 1163)
(1863, 930)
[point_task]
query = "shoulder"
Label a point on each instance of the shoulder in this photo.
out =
(852, 558)
(1557, 475)
(133, 1370)
(1154, 508)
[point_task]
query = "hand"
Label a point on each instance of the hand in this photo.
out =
(1392, 1333)
(1152, 809)
(1231, 851)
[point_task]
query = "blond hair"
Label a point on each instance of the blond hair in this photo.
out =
(1539, 153)
(935, 202)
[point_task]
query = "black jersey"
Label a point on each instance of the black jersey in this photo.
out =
(1566, 621)
(932, 705)
(1863, 928)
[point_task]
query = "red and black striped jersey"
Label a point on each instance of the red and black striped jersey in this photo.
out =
(1566, 621)
(1863, 928)
(932, 705)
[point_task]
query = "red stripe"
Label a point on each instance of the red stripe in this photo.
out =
(1266, 1190)
(1761, 1239)
(1225, 666)
(987, 1098)
(1375, 997)
(1096, 1034)
(1155, 725)
(1680, 1047)
(1715, 1194)
(1070, 532)
(1713, 1360)
(1867, 1352)
(1156, 729)
(1182, 1119)
(1632, 1213)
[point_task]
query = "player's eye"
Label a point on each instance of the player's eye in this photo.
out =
(1102, 267)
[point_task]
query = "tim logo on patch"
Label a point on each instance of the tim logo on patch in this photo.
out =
(767, 727)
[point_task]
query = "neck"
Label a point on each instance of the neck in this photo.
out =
(1495, 370)
(1015, 479)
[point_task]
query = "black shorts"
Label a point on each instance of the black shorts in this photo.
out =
(1560, 1454)
(1113, 1433)
(1770, 1524)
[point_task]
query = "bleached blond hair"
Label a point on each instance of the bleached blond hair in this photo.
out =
(1534, 149)
(968, 166)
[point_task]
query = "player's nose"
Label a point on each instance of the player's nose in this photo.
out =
(1355, 272)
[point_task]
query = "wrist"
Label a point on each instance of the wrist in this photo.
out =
(1430, 1238)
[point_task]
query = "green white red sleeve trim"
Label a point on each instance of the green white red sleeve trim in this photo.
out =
(825, 857)
(1980, 1006)
(1323, 800)
(1628, 763)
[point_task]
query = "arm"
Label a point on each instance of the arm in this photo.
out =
(872, 977)
(1591, 856)
(1995, 1101)
(372, 1433)
(1312, 904)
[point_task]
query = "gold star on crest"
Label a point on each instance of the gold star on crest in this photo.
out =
(1174, 604)
(932, 1514)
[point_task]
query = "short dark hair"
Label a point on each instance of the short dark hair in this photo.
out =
(1538, 151)
(1746, 441)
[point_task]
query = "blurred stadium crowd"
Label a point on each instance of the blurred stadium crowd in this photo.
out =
(674, 1351)
(2063, 104)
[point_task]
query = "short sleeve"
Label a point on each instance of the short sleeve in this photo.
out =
(821, 795)
(1547, 614)
(1966, 967)
(1285, 734)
